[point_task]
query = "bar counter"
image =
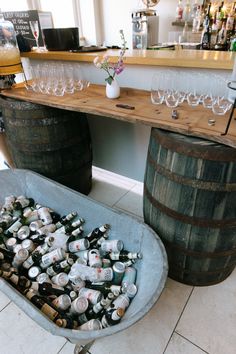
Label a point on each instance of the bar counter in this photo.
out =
(117, 142)
(184, 58)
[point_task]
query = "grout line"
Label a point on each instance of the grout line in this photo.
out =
(141, 218)
(6, 306)
(121, 198)
(62, 347)
(178, 320)
(192, 342)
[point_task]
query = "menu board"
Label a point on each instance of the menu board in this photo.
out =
(27, 23)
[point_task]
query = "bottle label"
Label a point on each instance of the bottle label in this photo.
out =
(82, 318)
(230, 23)
(49, 311)
(51, 257)
(28, 263)
(45, 216)
(92, 295)
(78, 245)
(51, 272)
(104, 274)
(24, 202)
(14, 227)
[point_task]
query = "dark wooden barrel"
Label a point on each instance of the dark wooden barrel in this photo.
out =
(190, 201)
(53, 142)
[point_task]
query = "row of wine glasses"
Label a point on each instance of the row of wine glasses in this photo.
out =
(56, 78)
(173, 88)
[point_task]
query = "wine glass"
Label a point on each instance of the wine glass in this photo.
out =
(34, 26)
(157, 91)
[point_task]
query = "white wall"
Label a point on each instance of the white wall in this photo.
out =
(116, 14)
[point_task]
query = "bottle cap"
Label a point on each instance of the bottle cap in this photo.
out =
(11, 243)
(43, 278)
(34, 272)
(131, 290)
(23, 232)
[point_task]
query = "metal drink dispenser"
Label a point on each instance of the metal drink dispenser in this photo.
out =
(145, 28)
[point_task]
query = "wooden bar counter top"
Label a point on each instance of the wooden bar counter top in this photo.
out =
(175, 58)
(191, 121)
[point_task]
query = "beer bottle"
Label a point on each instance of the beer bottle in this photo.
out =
(34, 259)
(95, 312)
(70, 227)
(67, 322)
(47, 289)
(19, 282)
(8, 203)
(42, 305)
(7, 255)
(62, 302)
(11, 231)
(38, 239)
(124, 255)
(112, 317)
(97, 233)
(22, 202)
(66, 219)
(3, 225)
(60, 266)
(103, 287)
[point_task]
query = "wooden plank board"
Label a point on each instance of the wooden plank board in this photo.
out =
(191, 121)
(184, 58)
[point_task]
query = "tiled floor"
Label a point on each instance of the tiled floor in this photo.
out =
(185, 320)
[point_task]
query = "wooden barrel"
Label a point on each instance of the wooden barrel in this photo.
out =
(190, 201)
(53, 142)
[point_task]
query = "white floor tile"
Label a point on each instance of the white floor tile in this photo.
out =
(209, 319)
(106, 193)
(3, 300)
(179, 345)
(21, 335)
(132, 202)
(67, 349)
(151, 334)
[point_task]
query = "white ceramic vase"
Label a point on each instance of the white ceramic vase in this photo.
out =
(113, 89)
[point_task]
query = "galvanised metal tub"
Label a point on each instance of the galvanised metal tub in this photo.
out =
(137, 237)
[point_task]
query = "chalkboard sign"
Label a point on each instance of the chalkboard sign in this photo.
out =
(27, 23)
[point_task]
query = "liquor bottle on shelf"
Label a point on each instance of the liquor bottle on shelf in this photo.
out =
(219, 16)
(194, 9)
(230, 23)
(179, 11)
(197, 20)
(221, 39)
(187, 11)
(206, 33)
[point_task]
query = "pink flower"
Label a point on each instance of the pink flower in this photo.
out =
(110, 68)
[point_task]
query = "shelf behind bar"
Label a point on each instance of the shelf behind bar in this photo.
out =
(191, 121)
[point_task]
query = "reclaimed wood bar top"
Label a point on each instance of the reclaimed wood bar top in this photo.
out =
(191, 121)
(207, 59)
